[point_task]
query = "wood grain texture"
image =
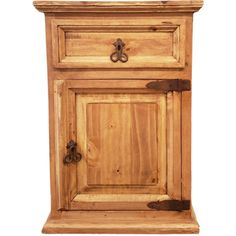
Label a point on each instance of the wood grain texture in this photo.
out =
(87, 42)
(124, 134)
(122, 222)
(97, 113)
(186, 129)
(186, 145)
(60, 129)
(124, 6)
(116, 201)
(55, 181)
(107, 73)
(101, 112)
(91, 101)
(174, 145)
(123, 145)
(119, 197)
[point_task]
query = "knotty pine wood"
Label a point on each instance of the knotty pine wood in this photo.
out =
(115, 201)
(131, 159)
(107, 73)
(85, 42)
(122, 6)
(122, 222)
(119, 92)
(72, 80)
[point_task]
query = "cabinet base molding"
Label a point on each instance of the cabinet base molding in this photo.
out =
(143, 222)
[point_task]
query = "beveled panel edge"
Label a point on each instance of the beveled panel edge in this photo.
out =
(118, 7)
(61, 61)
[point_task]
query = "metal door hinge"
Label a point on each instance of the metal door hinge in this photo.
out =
(167, 85)
(170, 205)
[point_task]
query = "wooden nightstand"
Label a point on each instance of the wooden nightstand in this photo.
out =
(119, 77)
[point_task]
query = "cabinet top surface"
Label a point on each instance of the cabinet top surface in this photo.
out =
(118, 6)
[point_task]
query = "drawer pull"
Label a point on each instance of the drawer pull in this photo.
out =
(118, 55)
(72, 155)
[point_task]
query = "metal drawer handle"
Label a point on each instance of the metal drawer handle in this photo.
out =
(72, 155)
(118, 55)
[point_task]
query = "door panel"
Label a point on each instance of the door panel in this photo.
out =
(120, 129)
(122, 143)
(127, 136)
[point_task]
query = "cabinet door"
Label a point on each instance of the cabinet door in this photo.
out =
(129, 138)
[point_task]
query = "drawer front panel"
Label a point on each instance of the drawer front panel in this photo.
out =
(156, 44)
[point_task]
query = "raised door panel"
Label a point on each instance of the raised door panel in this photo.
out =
(130, 153)
(121, 147)
(122, 143)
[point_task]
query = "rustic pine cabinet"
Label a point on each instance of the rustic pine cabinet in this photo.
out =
(119, 76)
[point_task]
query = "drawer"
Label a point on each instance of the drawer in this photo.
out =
(118, 43)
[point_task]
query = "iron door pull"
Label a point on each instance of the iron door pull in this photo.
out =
(72, 155)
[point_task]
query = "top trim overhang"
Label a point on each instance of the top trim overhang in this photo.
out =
(48, 6)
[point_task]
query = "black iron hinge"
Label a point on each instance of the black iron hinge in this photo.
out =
(167, 85)
(170, 205)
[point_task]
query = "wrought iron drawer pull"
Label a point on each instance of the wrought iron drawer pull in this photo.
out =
(119, 55)
(72, 155)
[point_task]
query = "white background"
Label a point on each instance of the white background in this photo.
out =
(24, 162)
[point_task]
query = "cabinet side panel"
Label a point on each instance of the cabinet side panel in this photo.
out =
(186, 119)
(177, 144)
(186, 145)
(57, 142)
(53, 186)
(55, 129)
(174, 145)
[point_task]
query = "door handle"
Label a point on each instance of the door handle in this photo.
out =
(72, 155)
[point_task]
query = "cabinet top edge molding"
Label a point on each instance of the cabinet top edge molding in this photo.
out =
(48, 6)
